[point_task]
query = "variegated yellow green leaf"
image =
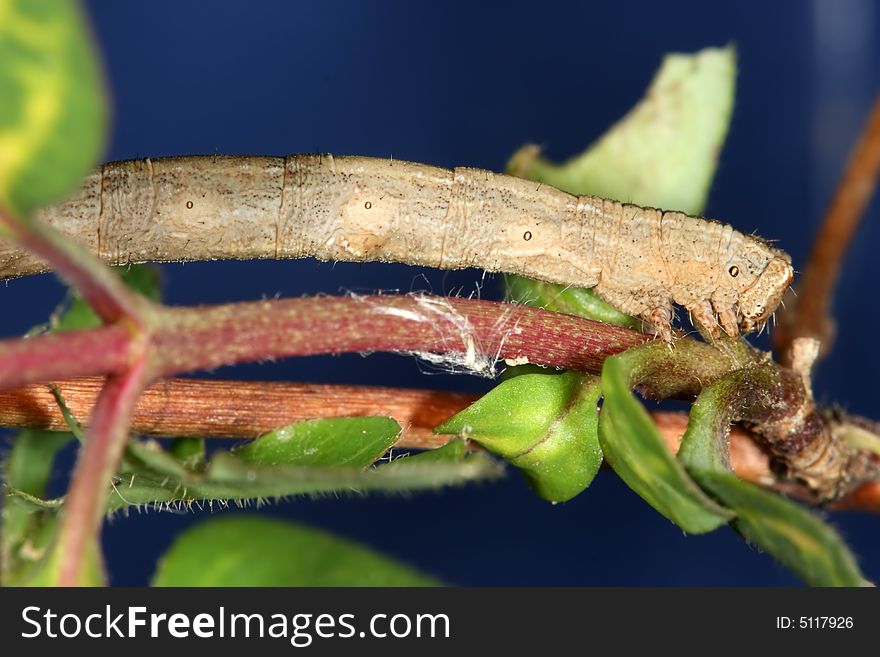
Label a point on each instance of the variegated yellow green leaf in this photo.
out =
(52, 112)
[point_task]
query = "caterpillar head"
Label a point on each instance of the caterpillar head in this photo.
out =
(759, 300)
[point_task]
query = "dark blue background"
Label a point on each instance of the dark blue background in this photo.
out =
(466, 83)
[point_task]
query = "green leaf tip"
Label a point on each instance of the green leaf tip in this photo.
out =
(544, 424)
(564, 299)
(664, 152)
(796, 537)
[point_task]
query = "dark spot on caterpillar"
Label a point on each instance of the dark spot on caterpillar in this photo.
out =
(368, 205)
(189, 205)
(527, 235)
(733, 271)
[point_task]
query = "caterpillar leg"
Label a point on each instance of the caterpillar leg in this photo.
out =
(705, 321)
(660, 319)
(727, 319)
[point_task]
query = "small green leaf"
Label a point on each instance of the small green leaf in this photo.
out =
(544, 424)
(797, 538)
(28, 528)
(634, 449)
(29, 465)
(318, 456)
(52, 114)
(349, 442)
(565, 299)
(705, 444)
(145, 457)
(151, 476)
(251, 551)
(454, 450)
(189, 451)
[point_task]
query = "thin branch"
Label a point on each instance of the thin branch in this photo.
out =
(238, 409)
(478, 332)
(810, 314)
(245, 409)
(472, 335)
(475, 332)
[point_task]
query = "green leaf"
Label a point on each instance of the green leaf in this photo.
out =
(634, 449)
(796, 537)
(91, 574)
(52, 113)
(663, 154)
(152, 476)
(544, 424)
(312, 457)
(252, 551)
(147, 457)
(705, 444)
(28, 529)
(454, 450)
(350, 442)
(29, 465)
(565, 299)
(190, 452)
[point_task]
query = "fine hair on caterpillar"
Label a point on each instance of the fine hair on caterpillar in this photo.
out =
(640, 260)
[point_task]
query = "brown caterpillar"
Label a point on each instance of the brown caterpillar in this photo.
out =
(362, 209)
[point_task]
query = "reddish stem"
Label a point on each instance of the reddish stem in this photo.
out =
(102, 350)
(207, 337)
(97, 463)
(202, 338)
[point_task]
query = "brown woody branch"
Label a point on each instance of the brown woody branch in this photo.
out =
(245, 409)
(809, 316)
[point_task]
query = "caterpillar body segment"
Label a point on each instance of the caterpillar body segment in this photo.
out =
(640, 260)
